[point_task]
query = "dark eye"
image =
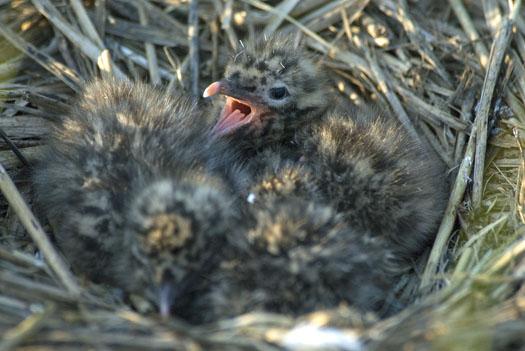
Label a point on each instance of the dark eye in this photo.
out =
(278, 93)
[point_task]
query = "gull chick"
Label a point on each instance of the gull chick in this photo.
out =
(276, 99)
(301, 257)
(136, 194)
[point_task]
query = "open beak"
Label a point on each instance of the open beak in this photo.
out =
(236, 112)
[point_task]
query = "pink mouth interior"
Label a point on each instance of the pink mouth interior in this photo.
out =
(234, 115)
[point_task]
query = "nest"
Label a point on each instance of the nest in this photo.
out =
(452, 73)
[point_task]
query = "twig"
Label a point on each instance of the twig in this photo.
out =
(466, 113)
(34, 229)
(492, 15)
(327, 14)
(116, 339)
(519, 73)
(176, 66)
(429, 112)
(20, 258)
(483, 232)
(510, 254)
(29, 326)
(100, 17)
(284, 8)
(13, 148)
(470, 29)
(85, 23)
(105, 65)
(137, 58)
(414, 34)
(463, 265)
(141, 33)
(163, 19)
(91, 50)
(391, 97)
(226, 19)
(104, 59)
(346, 24)
(318, 42)
(66, 75)
(153, 64)
(499, 47)
(29, 288)
(193, 38)
(447, 224)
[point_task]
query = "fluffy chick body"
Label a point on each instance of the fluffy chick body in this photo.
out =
(364, 163)
(298, 255)
(133, 189)
(301, 257)
(378, 177)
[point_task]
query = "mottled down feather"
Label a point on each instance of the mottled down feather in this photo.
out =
(134, 190)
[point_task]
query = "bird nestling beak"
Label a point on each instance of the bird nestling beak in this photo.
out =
(239, 109)
(166, 295)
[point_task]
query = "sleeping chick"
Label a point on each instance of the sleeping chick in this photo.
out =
(298, 256)
(137, 196)
(301, 257)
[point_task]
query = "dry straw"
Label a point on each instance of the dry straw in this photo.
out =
(428, 62)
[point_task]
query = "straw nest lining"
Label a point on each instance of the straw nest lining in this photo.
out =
(452, 72)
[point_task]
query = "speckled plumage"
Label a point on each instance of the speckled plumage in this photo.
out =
(297, 256)
(136, 194)
(268, 64)
(378, 178)
(363, 163)
(275, 176)
(300, 258)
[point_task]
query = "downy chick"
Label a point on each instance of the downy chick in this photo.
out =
(301, 257)
(132, 188)
(270, 92)
(298, 256)
(379, 178)
(365, 164)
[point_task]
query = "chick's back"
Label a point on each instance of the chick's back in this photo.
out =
(118, 138)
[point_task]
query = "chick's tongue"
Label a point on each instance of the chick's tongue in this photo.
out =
(229, 122)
